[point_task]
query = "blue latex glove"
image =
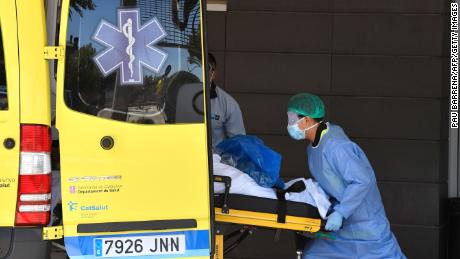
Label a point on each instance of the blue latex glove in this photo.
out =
(334, 221)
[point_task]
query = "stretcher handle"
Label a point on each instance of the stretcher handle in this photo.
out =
(228, 183)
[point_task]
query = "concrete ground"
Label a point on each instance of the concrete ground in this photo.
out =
(57, 253)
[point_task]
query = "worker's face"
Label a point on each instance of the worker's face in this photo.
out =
(212, 73)
(295, 126)
(303, 123)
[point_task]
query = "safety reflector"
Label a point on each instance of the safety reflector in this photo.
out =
(34, 202)
(35, 208)
(35, 197)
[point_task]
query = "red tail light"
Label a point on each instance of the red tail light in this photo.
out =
(35, 184)
(34, 197)
(35, 138)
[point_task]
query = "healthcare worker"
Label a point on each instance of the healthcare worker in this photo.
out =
(361, 228)
(227, 120)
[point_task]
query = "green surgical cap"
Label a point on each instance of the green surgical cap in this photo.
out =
(307, 105)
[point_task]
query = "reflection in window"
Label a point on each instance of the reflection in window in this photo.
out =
(3, 92)
(103, 38)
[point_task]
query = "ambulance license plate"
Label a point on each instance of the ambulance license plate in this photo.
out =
(140, 246)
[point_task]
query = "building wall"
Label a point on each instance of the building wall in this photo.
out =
(381, 68)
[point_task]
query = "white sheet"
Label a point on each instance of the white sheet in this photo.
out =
(245, 185)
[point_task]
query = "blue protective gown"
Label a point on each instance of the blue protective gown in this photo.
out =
(344, 172)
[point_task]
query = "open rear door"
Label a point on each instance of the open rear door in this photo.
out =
(132, 130)
(9, 114)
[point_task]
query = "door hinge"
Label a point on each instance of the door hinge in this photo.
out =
(54, 52)
(52, 233)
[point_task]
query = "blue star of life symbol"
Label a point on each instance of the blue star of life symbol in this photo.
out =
(129, 46)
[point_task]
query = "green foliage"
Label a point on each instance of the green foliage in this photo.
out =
(80, 5)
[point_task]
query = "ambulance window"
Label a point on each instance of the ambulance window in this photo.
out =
(3, 92)
(135, 61)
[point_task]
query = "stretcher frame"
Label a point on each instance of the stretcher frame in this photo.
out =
(307, 227)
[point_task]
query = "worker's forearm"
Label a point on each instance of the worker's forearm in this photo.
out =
(352, 198)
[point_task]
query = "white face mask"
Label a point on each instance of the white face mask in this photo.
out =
(296, 133)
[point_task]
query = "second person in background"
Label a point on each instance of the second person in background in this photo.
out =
(227, 120)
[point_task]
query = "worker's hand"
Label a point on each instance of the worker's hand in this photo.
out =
(334, 221)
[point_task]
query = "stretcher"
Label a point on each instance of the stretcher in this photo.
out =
(251, 212)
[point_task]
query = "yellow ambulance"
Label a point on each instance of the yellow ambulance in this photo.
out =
(131, 131)
(133, 140)
(25, 180)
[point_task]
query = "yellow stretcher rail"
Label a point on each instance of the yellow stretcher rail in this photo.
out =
(269, 220)
(252, 219)
(260, 219)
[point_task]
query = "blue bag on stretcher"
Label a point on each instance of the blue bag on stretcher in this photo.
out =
(250, 155)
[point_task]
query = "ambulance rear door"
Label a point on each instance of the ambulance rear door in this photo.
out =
(9, 114)
(132, 131)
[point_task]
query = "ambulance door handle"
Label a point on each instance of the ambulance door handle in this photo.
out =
(9, 143)
(107, 142)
